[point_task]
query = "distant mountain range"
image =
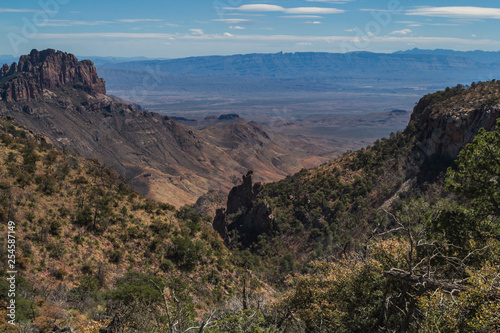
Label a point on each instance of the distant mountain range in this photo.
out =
(261, 86)
(306, 71)
(479, 56)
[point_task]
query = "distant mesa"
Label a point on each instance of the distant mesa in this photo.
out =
(229, 116)
(48, 69)
(182, 119)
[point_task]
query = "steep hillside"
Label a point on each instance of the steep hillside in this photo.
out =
(85, 240)
(54, 94)
(334, 207)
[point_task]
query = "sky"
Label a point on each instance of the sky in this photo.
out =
(175, 28)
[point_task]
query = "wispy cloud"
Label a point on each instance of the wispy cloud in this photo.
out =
(167, 24)
(410, 23)
(295, 10)
(236, 27)
(17, 10)
(460, 12)
(103, 35)
(233, 21)
(420, 24)
(401, 32)
(69, 23)
(138, 20)
(302, 16)
(332, 1)
(197, 32)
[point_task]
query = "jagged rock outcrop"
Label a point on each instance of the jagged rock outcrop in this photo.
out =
(241, 197)
(241, 200)
(48, 69)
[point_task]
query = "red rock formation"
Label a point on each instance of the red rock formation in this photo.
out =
(47, 69)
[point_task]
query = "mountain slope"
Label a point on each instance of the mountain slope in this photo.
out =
(85, 240)
(55, 95)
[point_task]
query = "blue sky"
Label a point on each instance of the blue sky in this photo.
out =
(172, 28)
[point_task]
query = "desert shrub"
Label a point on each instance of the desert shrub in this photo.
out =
(184, 253)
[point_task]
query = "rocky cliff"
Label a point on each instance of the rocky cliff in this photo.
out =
(47, 69)
(446, 121)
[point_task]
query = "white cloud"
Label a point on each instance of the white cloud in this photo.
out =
(295, 10)
(236, 27)
(16, 10)
(227, 34)
(406, 22)
(313, 22)
(198, 32)
(373, 10)
(102, 35)
(331, 1)
(258, 8)
(302, 16)
(411, 23)
(242, 14)
(232, 21)
(462, 12)
(313, 10)
(138, 20)
(445, 24)
(69, 23)
(401, 32)
(421, 24)
(167, 24)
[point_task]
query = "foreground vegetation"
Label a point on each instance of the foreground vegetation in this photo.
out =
(89, 248)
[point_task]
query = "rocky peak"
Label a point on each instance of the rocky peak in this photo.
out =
(47, 69)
